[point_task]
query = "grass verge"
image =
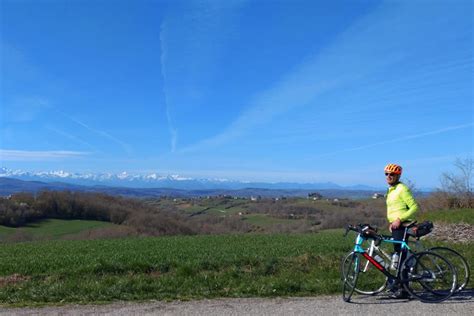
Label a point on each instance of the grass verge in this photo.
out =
(168, 268)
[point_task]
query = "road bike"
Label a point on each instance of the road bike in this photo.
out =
(425, 275)
(372, 282)
(455, 258)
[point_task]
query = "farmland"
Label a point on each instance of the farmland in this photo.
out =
(173, 248)
(178, 267)
(52, 229)
(170, 268)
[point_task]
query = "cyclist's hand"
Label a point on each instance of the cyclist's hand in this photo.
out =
(396, 224)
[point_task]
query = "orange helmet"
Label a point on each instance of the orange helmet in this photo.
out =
(393, 168)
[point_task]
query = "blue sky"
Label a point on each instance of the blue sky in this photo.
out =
(304, 91)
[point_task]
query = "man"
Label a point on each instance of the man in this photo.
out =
(401, 207)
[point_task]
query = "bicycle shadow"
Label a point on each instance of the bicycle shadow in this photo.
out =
(466, 295)
(462, 297)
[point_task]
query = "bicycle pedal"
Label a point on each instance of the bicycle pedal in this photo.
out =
(392, 284)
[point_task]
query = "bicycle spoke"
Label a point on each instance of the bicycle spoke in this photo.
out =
(431, 278)
(458, 262)
(350, 273)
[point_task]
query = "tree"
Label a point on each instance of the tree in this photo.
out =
(411, 185)
(459, 185)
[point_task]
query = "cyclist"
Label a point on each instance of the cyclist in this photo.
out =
(401, 207)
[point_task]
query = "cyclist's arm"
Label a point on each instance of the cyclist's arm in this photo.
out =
(409, 200)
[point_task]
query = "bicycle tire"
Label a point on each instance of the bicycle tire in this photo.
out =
(349, 274)
(370, 280)
(429, 277)
(459, 263)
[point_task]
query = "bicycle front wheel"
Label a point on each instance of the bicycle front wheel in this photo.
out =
(429, 277)
(349, 274)
(370, 280)
(458, 262)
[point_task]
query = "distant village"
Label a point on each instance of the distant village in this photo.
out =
(315, 196)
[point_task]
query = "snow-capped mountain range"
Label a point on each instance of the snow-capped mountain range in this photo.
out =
(154, 180)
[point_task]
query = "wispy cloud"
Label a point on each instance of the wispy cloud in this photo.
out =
(193, 39)
(126, 147)
(26, 155)
(26, 108)
(163, 60)
(350, 60)
(70, 136)
(400, 139)
(343, 61)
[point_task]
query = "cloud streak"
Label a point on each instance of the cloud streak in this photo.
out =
(26, 155)
(26, 109)
(343, 61)
(126, 147)
(72, 137)
(193, 42)
(348, 61)
(401, 139)
(163, 60)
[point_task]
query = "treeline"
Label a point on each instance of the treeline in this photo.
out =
(23, 208)
(145, 219)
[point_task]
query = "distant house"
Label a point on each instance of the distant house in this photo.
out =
(377, 196)
(315, 196)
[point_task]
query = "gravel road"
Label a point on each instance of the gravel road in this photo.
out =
(321, 305)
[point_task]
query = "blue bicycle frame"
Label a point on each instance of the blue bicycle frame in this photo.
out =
(358, 249)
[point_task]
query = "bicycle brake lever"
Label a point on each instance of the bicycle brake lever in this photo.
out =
(347, 231)
(378, 240)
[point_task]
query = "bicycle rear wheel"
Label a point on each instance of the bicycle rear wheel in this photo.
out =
(370, 280)
(429, 277)
(458, 262)
(349, 274)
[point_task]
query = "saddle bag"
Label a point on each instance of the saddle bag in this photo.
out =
(421, 229)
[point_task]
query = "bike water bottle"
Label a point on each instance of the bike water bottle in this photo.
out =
(395, 259)
(380, 260)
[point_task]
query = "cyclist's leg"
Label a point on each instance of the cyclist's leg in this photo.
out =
(399, 234)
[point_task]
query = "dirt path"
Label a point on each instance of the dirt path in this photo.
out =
(321, 305)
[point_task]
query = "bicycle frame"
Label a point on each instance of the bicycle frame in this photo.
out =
(425, 275)
(359, 249)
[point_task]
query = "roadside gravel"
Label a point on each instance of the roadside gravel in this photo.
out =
(462, 304)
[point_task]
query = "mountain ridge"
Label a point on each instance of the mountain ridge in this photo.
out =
(155, 180)
(10, 186)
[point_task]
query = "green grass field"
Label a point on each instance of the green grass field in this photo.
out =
(55, 271)
(166, 268)
(465, 215)
(54, 228)
(170, 268)
(263, 220)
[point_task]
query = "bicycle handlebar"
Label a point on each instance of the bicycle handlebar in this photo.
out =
(349, 228)
(365, 230)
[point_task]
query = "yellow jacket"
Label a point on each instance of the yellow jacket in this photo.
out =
(400, 203)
